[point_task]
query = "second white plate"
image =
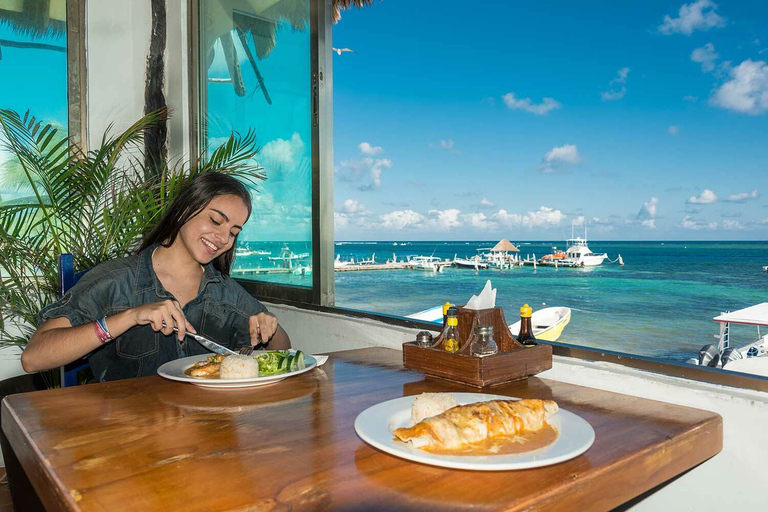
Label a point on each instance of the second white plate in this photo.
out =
(376, 424)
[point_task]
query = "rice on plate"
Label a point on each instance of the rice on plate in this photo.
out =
(239, 367)
(431, 404)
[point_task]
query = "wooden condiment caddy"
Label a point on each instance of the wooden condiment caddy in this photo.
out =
(512, 362)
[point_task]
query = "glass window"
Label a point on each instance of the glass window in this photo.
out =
(33, 66)
(629, 134)
(255, 76)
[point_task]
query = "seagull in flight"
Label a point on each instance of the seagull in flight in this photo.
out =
(339, 51)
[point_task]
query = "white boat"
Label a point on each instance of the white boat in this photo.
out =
(262, 252)
(243, 251)
(426, 263)
(750, 358)
(578, 252)
(765, 268)
(547, 323)
(475, 262)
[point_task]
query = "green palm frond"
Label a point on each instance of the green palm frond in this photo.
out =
(95, 205)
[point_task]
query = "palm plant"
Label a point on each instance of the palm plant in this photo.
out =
(95, 205)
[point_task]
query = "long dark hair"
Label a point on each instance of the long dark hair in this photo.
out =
(192, 199)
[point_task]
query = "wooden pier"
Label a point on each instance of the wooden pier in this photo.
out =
(261, 270)
(373, 266)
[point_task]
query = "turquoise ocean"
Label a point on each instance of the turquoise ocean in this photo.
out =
(659, 304)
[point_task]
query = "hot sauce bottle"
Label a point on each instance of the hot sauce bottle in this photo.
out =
(525, 336)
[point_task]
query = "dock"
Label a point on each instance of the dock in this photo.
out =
(373, 266)
(261, 270)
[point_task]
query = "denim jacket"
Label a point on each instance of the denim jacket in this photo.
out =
(221, 312)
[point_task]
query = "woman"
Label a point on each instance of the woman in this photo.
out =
(123, 311)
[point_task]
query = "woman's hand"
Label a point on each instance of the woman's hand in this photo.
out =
(163, 317)
(262, 327)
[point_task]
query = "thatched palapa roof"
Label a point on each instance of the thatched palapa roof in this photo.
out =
(505, 246)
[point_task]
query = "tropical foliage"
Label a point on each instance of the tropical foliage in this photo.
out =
(95, 205)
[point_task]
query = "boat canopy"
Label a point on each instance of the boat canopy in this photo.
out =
(753, 315)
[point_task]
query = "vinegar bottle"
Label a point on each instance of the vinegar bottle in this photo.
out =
(525, 336)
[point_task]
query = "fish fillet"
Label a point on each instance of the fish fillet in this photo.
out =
(474, 423)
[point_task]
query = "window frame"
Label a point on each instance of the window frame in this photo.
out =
(77, 89)
(320, 297)
(321, 290)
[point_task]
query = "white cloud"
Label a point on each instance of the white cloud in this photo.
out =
(364, 173)
(402, 219)
(353, 206)
(764, 221)
(706, 56)
(731, 224)
(699, 15)
(443, 220)
(479, 221)
(673, 130)
(341, 220)
(577, 221)
(281, 152)
(692, 99)
(647, 214)
(614, 93)
(746, 91)
(742, 197)
(689, 222)
(450, 146)
(526, 104)
(558, 158)
(485, 203)
(543, 217)
(367, 149)
(706, 197)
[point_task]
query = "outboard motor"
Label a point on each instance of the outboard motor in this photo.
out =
(707, 354)
(730, 355)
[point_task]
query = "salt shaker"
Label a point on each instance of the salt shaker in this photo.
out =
(483, 343)
(424, 339)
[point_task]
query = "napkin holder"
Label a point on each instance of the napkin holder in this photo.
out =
(512, 362)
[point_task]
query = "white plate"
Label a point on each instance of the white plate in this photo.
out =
(376, 424)
(174, 370)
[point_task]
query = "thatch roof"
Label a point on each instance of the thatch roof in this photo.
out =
(343, 5)
(505, 246)
(38, 19)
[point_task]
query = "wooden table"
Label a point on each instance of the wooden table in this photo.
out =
(152, 444)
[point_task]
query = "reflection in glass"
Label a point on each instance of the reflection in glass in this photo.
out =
(255, 75)
(33, 67)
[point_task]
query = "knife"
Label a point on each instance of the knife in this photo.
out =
(209, 344)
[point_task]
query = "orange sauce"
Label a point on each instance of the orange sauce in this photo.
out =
(524, 442)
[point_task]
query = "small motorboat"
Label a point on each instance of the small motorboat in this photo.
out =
(427, 263)
(475, 262)
(750, 358)
(547, 323)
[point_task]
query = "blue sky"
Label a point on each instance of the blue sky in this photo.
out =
(519, 120)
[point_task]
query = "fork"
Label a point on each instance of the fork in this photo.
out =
(246, 351)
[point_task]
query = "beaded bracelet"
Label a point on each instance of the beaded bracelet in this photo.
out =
(100, 326)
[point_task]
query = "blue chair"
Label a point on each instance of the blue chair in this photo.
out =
(67, 279)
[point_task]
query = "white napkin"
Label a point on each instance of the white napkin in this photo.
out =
(486, 299)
